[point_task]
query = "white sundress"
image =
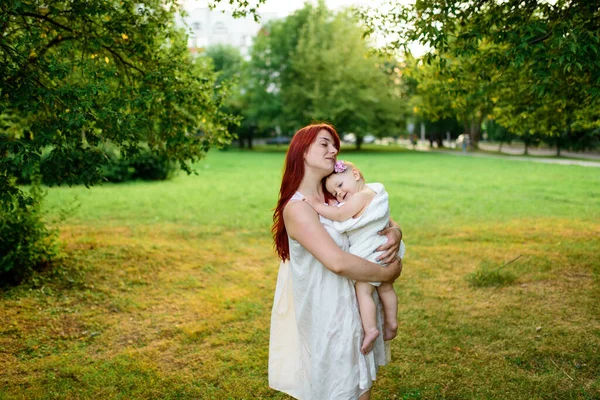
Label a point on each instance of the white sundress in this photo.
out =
(316, 331)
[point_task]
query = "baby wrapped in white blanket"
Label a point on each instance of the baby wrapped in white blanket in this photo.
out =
(362, 212)
(363, 230)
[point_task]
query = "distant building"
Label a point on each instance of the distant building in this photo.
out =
(211, 27)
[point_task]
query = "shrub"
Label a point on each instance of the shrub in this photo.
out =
(26, 244)
(151, 167)
(145, 165)
(117, 170)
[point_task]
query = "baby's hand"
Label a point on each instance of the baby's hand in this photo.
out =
(311, 201)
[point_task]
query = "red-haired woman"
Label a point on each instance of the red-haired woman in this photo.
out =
(316, 331)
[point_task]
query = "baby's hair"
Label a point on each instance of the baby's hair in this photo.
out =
(350, 166)
(347, 164)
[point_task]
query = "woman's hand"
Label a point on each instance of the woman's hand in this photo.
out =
(392, 246)
(395, 268)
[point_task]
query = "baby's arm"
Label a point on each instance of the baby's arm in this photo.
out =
(349, 209)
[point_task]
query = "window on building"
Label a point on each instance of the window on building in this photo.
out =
(196, 26)
(219, 28)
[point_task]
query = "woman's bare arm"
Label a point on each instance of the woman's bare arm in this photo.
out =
(303, 225)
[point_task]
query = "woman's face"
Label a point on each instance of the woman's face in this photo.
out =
(322, 153)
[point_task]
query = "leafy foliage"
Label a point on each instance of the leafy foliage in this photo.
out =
(151, 167)
(231, 68)
(80, 73)
(536, 63)
(145, 166)
(316, 65)
(462, 90)
(26, 244)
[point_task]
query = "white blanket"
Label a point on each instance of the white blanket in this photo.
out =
(362, 231)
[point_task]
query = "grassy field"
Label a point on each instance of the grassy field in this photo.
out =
(166, 287)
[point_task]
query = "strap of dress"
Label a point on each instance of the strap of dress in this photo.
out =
(297, 196)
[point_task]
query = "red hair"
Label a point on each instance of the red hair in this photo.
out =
(293, 172)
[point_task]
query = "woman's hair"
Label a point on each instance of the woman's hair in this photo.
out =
(293, 172)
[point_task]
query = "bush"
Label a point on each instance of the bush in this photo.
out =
(117, 170)
(151, 167)
(26, 244)
(145, 166)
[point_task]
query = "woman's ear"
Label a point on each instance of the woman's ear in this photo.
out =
(356, 174)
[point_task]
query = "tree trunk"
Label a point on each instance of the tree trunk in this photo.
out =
(250, 137)
(526, 149)
(440, 141)
(241, 141)
(500, 148)
(475, 133)
(359, 141)
(567, 133)
(472, 126)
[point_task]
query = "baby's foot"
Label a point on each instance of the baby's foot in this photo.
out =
(390, 330)
(368, 341)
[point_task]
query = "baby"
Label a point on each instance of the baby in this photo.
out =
(362, 212)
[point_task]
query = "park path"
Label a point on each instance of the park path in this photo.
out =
(581, 163)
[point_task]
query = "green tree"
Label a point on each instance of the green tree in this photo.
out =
(269, 71)
(77, 74)
(462, 90)
(227, 61)
(315, 65)
(545, 52)
(229, 65)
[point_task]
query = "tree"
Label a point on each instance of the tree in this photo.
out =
(227, 61)
(229, 65)
(498, 133)
(546, 52)
(462, 90)
(315, 65)
(77, 74)
(269, 70)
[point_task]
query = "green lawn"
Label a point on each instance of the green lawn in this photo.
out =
(166, 287)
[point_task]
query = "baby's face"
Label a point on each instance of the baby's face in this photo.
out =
(342, 186)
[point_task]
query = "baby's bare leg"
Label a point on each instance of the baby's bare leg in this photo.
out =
(368, 311)
(389, 300)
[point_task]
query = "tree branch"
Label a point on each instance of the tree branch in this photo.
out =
(108, 48)
(39, 16)
(53, 43)
(541, 38)
(130, 65)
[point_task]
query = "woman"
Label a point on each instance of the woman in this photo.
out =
(316, 331)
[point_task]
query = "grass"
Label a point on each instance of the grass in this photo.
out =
(166, 288)
(489, 274)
